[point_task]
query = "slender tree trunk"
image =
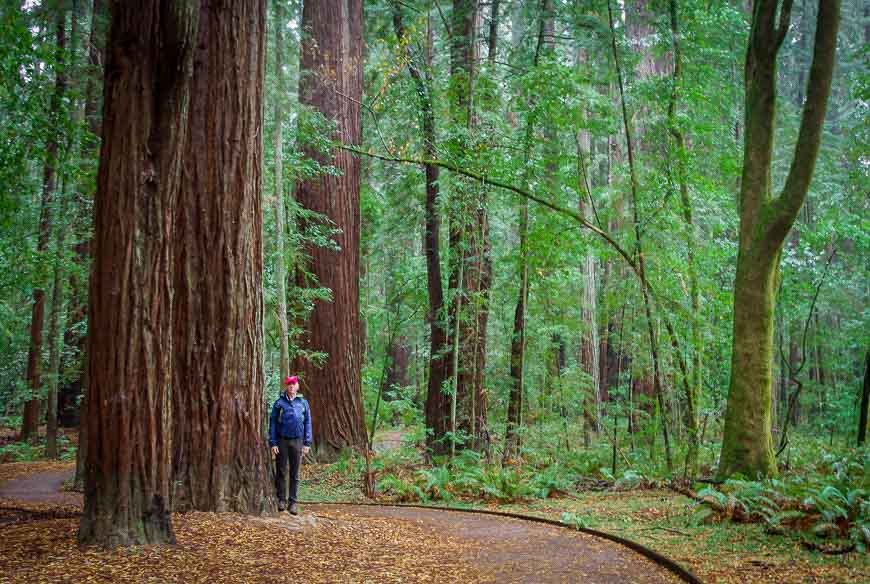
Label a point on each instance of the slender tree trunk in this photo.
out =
(278, 203)
(693, 393)
(516, 396)
(331, 82)
(641, 267)
(765, 221)
(437, 408)
(493, 31)
(590, 344)
(130, 347)
(55, 346)
(865, 403)
(518, 337)
(78, 311)
(468, 237)
(30, 419)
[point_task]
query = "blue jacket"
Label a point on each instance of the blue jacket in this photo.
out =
(290, 419)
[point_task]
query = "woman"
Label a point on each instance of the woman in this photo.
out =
(290, 439)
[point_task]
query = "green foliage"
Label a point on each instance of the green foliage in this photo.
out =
(830, 500)
(33, 451)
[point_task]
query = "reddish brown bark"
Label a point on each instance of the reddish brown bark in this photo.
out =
(130, 316)
(220, 459)
(331, 82)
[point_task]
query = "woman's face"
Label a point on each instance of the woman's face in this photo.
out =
(292, 389)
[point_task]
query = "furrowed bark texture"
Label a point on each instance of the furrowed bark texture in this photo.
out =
(331, 82)
(130, 319)
(220, 458)
(747, 447)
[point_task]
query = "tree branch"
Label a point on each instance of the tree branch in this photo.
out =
(507, 186)
(787, 206)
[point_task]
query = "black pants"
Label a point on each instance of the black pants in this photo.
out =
(288, 449)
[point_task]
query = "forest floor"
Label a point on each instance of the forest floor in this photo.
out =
(720, 552)
(39, 519)
(328, 543)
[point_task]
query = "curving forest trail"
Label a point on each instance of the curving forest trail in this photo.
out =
(344, 543)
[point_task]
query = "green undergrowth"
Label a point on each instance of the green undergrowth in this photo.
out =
(826, 504)
(18, 451)
(813, 517)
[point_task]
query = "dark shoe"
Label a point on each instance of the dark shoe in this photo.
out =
(293, 509)
(281, 505)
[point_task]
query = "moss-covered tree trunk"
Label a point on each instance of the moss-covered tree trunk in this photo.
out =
(765, 221)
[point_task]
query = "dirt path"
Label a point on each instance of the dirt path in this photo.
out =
(513, 550)
(44, 487)
(399, 544)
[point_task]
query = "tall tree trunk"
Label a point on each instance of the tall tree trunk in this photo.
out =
(693, 388)
(78, 311)
(518, 336)
(590, 344)
(55, 345)
(278, 203)
(747, 447)
(865, 403)
(638, 248)
(130, 347)
(469, 239)
(331, 82)
(516, 397)
(30, 419)
(220, 458)
(437, 408)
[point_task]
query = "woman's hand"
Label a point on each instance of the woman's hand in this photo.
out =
(275, 450)
(305, 450)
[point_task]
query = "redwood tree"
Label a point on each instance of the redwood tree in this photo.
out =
(220, 460)
(147, 80)
(765, 221)
(331, 83)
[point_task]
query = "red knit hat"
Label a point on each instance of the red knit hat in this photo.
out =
(291, 380)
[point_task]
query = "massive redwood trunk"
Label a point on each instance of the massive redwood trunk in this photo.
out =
(130, 316)
(220, 458)
(331, 83)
